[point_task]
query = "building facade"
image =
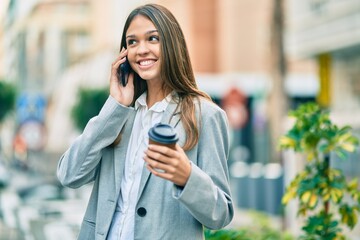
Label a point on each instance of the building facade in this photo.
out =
(319, 29)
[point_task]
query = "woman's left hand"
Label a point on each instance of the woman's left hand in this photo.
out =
(167, 163)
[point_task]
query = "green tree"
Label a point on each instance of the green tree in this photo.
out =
(7, 104)
(326, 198)
(88, 105)
(7, 99)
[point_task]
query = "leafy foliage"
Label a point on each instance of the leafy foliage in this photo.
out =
(319, 185)
(7, 99)
(259, 230)
(246, 234)
(88, 105)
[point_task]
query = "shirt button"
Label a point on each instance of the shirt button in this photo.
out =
(141, 212)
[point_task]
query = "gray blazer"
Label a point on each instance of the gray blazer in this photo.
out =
(163, 210)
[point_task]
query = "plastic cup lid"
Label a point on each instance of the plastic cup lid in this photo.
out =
(163, 133)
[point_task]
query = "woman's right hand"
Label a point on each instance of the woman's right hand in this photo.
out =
(124, 95)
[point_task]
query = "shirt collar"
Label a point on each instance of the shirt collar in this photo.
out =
(157, 107)
(141, 101)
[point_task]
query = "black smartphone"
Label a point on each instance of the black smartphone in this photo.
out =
(123, 72)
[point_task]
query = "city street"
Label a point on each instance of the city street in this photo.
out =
(258, 61)
(35, 206)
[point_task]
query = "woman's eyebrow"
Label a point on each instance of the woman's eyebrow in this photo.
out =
(147, 33)
(151, 31)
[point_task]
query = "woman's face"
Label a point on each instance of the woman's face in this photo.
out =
(142, 40)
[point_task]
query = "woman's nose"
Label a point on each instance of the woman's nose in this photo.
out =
(142, 48)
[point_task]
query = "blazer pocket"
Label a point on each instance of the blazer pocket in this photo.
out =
(87, 230)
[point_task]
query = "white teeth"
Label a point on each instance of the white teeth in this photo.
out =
(146, 63)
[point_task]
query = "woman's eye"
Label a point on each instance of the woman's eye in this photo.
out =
(131, 42)
(154, 38)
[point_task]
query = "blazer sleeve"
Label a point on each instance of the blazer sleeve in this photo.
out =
(206, 194)
(79, 164)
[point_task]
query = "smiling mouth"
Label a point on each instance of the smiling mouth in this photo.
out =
(146, 63)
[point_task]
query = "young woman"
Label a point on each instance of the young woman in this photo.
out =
(144, 191)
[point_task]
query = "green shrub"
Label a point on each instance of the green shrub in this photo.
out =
(7, 99)
(88, 105)
(326, 198)
(260, 229)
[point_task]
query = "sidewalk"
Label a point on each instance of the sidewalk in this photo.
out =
(7, 233)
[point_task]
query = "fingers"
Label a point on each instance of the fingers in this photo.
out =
(162, 150)
(161, 157)
(168, 164)
(160, 173)
(161, 154)
(120, 59)
(122, 54)
(159, 166)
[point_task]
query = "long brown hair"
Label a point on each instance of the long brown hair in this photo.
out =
(176, 70)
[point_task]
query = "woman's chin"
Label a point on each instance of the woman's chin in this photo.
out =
(148, 77)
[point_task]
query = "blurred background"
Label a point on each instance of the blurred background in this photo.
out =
(257, 60)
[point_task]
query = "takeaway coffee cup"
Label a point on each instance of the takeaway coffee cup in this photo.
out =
(163, 134)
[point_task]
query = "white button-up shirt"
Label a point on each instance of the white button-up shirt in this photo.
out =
(123, 222)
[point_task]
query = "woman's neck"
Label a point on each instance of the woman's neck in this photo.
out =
(154, 95)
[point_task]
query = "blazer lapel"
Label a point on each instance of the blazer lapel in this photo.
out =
(120, 151)
(170, 117)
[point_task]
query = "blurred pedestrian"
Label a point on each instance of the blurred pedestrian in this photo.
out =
(144, 191)
(20, 152)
